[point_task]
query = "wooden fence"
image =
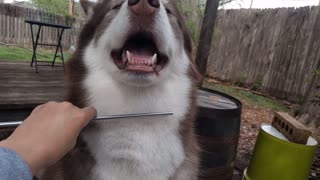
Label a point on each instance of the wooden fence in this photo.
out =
(13, 29)
(274, 50)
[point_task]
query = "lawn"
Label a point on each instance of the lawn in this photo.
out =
(25, 55)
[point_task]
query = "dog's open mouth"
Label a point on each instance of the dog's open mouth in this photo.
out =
(140, 54)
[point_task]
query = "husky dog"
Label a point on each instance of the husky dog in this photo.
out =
(133, 56)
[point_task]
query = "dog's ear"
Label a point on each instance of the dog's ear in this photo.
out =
(87, 6)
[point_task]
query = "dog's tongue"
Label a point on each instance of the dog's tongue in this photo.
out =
(141, 61)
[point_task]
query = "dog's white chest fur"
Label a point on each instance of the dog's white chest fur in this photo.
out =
(140, 148)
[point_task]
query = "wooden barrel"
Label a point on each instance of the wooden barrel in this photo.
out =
(218, 130)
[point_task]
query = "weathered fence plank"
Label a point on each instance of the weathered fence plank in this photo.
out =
(275, 50)
(13, 29)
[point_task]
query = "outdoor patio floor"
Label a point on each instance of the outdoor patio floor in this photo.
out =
(20, 85)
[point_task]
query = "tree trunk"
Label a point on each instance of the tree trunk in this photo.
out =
(310, 110)
(206, 35)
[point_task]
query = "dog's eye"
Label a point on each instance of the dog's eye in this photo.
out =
(168, 11)
(118, 6)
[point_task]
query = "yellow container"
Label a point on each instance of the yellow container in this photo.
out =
(275, 158)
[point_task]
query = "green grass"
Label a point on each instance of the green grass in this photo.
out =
(250, 98)
(25, 55)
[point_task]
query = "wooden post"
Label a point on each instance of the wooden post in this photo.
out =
(71, 7)
(205, 40)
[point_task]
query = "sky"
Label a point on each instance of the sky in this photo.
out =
(271, 3)
(259, 3)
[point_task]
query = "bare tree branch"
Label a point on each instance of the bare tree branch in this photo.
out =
(224, 2)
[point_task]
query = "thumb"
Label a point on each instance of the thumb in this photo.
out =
(89, 113)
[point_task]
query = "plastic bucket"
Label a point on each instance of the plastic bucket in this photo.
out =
(275, 158)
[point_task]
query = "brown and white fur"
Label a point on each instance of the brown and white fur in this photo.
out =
(153, 148)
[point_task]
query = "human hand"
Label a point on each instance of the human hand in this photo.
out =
(48, 133)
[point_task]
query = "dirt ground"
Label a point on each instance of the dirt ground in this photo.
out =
(252, 118)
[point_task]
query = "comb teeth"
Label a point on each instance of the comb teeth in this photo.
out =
(98, 118)
(121, 116)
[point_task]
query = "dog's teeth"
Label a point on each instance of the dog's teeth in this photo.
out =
(128, 55)
(154, 59)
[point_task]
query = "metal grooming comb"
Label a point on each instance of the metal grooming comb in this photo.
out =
(98, 118)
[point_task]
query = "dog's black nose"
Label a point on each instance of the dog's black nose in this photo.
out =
(144, 7)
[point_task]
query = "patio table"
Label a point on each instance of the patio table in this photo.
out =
(35, 41)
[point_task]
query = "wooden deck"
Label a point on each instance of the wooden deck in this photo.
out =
(21, 87)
